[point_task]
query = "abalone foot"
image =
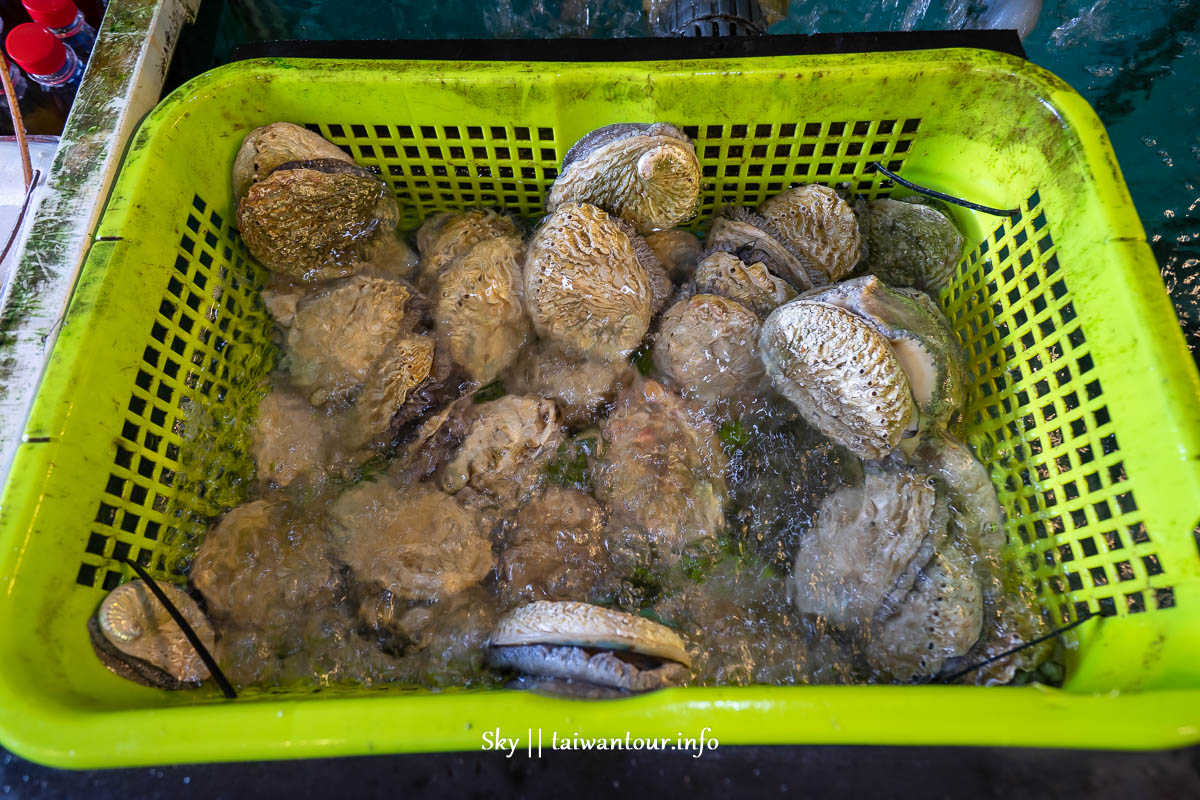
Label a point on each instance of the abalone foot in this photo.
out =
(128, 667)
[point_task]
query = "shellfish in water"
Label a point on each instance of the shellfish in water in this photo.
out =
(752, 284)
(575, 647)
(134, 635)
(661, 475)
(318, 219)
(880, 563)
(586, 287)
(865, 364)
(647, 175)
(708, 346)
(910, 244)
(818, 224)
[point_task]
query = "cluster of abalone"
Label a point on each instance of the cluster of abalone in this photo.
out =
(499, 450)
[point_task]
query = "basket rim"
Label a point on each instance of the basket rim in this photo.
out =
(46, 732)
(272, 729)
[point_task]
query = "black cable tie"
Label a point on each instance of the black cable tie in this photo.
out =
(1018, 648)
(197, 645)
(949, 198)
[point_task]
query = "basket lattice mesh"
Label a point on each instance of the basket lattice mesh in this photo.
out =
(436, 167)
(204, 359)
(1039, 419)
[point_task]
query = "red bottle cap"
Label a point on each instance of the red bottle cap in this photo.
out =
(52, 13)
(37, 50)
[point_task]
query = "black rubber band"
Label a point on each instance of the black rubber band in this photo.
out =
(201, 650)
(1017, 649)
(949, 198)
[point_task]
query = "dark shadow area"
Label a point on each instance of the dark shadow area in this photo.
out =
(877, 772)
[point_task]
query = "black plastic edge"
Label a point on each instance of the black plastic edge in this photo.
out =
(647, 49)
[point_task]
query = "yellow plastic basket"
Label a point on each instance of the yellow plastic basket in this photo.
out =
(1085, 404)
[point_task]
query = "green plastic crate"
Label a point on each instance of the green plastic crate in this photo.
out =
(1085, 404)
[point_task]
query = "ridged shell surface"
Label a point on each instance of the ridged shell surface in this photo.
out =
(748, 236)
(646, 174)
(314, 225)
(135, 622)
(940, 619)
(585, 289)
(864, 542)
(841, 375)
(479, 310)
(444, 238)
(586, 625)
(818, 224)
(752, 285)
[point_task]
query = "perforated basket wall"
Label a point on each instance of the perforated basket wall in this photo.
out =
(1084, 405)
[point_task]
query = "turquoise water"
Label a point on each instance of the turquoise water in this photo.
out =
(1136, 61)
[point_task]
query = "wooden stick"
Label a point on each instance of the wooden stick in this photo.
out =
(14, 108)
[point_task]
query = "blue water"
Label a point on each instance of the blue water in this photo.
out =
(1136, 61)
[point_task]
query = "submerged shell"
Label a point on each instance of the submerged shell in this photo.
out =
(506, 449)
(979, 511)
(585, 625)
(860, 552)
(260, 565)
(752, 285)
(920, 336)
(268, 147)
(339, 333)
(446, 237)
(581, 387)
(840, 373)
(678, 251)
(419, 545)
(661, 475)
(479, 311)
(1011, 618)
(752, 238)
(708, 346)
(647, 175)
(135, 623)
(289, 437)
(406, 364)
(585, 287)
(910, 244)
(316, 220)
(940, 619)
(815, 222)
(556, 548)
